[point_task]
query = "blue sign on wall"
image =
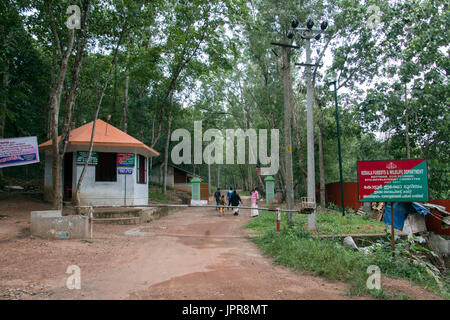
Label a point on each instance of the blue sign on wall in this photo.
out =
(125, 171)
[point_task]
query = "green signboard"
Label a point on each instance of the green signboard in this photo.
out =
(82, 155)
(393, 181)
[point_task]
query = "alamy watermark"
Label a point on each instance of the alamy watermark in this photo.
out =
(374, 280)
(74, 21)
(375, 17)
(73, 281)
(214, 151)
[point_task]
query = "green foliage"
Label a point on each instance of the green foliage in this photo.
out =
(155, 195)
(215, 58)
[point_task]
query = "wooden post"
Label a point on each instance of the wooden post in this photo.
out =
(392, 229)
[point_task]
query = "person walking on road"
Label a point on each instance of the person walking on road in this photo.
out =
(235, 200)
(222, 206)
(217, 196)
(255, 198)
(229, 194)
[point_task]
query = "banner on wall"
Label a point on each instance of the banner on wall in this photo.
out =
(18, 151)
(393, 181)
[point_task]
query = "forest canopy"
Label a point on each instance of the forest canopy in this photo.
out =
(155, 66)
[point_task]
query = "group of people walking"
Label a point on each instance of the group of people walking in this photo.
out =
(234, 200)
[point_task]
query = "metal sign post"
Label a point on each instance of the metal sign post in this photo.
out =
(392, 229)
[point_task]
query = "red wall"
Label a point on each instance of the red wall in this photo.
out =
(434, 224)
(333, 194)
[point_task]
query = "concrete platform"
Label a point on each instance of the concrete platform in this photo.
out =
(51, 224)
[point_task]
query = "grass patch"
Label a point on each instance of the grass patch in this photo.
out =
(296, 248)
(327, 222)
(155, 195)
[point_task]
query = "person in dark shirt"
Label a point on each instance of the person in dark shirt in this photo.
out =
(235, 200)
(229, 194)
(217, 196)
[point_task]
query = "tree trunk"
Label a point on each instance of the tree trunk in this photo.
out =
(48, 112)
(209, 179)
(321, 167)
(298, 140)
(5, 82)
(125, 92)
(91, 144)
(150, 169)
(408, 148)
(246, 115)
(59, 147)
(70, 99)
(321, 158)
(218, 176)
(261, 183)
(54, 107)
(166, 155)
(288, 102)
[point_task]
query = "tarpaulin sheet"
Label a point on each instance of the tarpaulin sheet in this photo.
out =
(401, 211)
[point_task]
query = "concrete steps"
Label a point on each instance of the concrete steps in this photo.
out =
(129, 215)
(125, 216)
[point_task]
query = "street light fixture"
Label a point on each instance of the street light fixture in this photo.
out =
(290, 34)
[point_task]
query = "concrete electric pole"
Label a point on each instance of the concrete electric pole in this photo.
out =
(308, 34)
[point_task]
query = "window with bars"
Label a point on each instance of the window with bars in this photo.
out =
(141, 169)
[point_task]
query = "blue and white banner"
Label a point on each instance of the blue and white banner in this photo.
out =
(18, 151)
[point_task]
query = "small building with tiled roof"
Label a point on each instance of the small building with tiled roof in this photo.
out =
(175, 175)
(117, 173)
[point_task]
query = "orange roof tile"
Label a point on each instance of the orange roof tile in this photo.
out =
(114, 137)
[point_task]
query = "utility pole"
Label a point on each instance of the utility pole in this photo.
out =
(311, 177)
(209, 176)
(307, 34)
(339, 146)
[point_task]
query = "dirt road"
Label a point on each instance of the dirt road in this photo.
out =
(189, 254)
(195, 254)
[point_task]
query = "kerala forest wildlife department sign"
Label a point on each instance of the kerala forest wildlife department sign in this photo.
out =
(393, 180)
